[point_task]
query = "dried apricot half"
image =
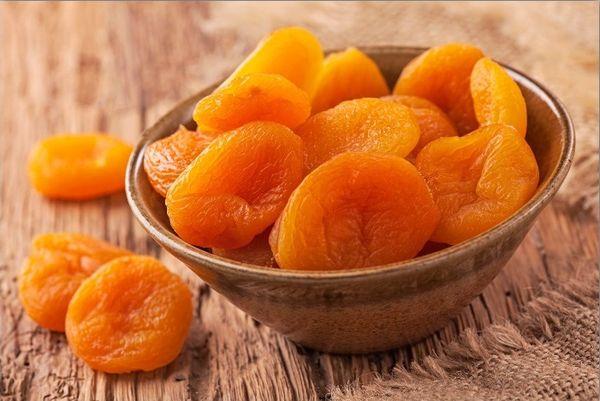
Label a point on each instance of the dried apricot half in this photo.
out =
(253, 97)
(237, 187)
(78, 166)
(433, 122)
(56, 266)
(360, 125)
(497, 99)
(258, 252)
(131, 314)
(166, 158)
(292, 52)
(347, 75)
(442, 75)
(478, 180)
(356, 210)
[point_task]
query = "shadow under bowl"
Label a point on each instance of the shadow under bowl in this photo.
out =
(377, 308)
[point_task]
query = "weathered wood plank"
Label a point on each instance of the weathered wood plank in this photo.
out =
(117, 67)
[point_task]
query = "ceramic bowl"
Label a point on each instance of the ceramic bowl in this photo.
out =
(376, 308)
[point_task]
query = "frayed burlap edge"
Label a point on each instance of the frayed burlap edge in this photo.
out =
(540, 320)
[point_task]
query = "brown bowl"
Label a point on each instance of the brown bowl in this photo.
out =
(376, 308)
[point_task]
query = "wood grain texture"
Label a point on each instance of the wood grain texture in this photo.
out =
(117, 67)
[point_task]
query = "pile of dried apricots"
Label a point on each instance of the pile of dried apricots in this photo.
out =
(308, 162)
(298, 161)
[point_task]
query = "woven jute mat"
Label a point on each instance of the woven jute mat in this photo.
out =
(549, 353)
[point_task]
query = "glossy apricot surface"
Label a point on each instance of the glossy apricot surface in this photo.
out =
(356, 210)
(442, 75)
(360, 125)
(166, 158)
(78, 166)
(237, 187)
(347, 75)
(293, 52)
(478, 180)
(131, 314)
(57, 264)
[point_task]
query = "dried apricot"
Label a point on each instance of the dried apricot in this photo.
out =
(76, 167)
(55, 268)
(442, 75)
(433, 122)
(347, 75)
(478, 180)
(237, 187)
(497, 99)
(166, 158)
(292, 52)
(258, 252)
(253, 97)
(131, 314)
(356, 210)
(360, 125)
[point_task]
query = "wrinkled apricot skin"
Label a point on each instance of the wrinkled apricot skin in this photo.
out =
(78, 166)
(237, 187)
(356, 210)
(360, 125)
(442, 75)
(258, 252)
(131, 314)
(255, 97)
(347, 75)
(478, 180)
(56, 266)
(497, 99)
(293, 52)
(433, 122)
(166, 158)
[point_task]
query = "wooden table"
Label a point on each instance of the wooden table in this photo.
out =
(118, 67)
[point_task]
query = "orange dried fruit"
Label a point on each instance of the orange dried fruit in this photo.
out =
(237, 187)
(166, 158)
(78, 166)
(347, 75)
(360, 125)
(478, 180)
(356, 210)
(442, 75)
(56, 266)
(292, 52)
(433, 122)
(254, 97)
(131, 314)
(497, 99)
(258, 252)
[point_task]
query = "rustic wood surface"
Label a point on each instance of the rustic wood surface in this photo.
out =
(117, 67)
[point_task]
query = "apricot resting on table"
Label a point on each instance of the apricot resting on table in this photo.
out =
(497, 99)
(347, 75)
(356, 210)
(478, 180)
(131, 314)
(56, 266)
(78, 166)
(360, 125)
(258, 252)
(237, 187)
(249, 98)
(166, 158)
(442, 75)
(433, 122)
(293, 52)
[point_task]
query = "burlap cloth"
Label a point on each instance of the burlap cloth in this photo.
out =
(549, 353)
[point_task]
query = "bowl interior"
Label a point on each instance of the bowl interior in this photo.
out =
(550, 135)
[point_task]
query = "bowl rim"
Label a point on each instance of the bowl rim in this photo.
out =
(411, 266)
